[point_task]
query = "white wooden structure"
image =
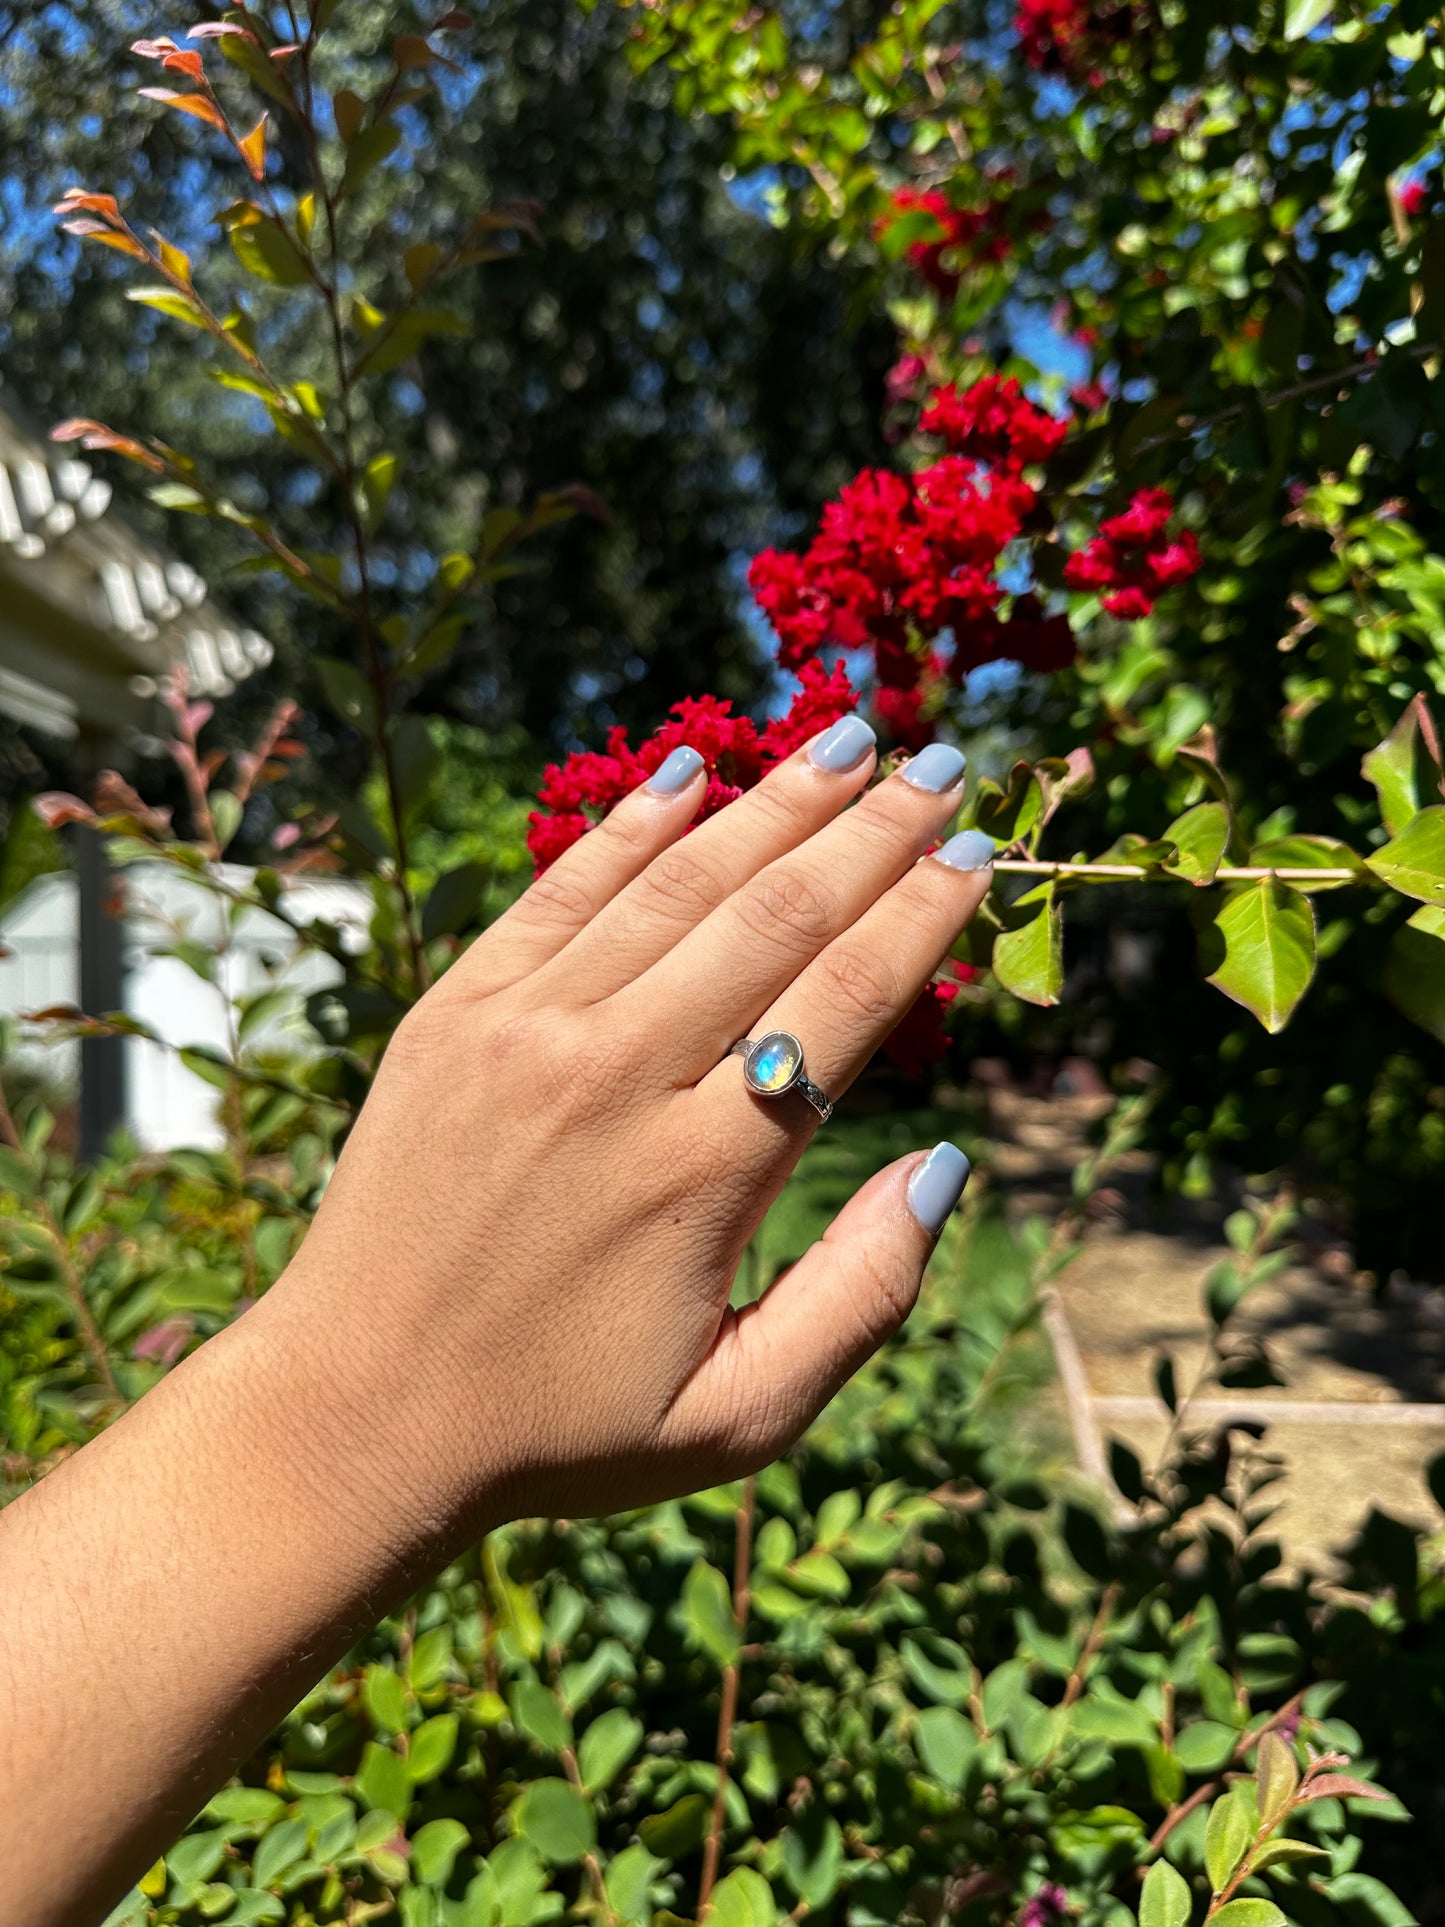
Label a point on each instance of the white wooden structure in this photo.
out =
(91, 618)
(167, 1104)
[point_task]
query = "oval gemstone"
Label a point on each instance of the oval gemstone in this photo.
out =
(773, 1063)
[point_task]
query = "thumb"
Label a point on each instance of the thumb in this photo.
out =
(776, 1364)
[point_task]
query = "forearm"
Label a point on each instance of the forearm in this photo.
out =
(170, 1593)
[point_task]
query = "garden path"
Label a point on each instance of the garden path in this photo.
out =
(1362, 1409)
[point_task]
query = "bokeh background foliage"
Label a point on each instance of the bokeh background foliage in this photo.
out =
(531, 329)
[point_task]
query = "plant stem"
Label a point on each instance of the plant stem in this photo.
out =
(1234, 873)
(728, 1705)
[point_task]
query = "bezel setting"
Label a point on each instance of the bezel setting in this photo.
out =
(771, 1041)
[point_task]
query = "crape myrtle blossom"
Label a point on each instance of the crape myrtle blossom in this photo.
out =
(960, 237)
(1133, 558)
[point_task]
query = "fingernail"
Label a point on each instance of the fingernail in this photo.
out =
(937, 768)
(843, 746)
(675, 773)
(936, 1186)
(969, 850)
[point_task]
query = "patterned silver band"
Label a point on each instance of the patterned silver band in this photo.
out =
(773, 1065)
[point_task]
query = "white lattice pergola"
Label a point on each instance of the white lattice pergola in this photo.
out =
(91, 615)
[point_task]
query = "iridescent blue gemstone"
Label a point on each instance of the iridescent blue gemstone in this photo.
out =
(773, 1063)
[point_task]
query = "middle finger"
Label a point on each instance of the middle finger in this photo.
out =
(703, 994)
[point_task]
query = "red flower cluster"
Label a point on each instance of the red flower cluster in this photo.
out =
(1414, 198)
(1133, 558)
(899, 559)
(993, 421)
(964, 237)
(1072, 37)
(737, 754)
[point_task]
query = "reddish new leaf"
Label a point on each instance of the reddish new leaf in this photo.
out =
(58, 807)
(92, 434)
(1339, 1786)
(76, 200)
(213, 29)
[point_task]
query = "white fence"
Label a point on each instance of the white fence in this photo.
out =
(166, 1104)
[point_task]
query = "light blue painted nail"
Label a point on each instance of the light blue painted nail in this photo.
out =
(937, 1185)
(843, 746)
(673, 775)
(937, 768)
(969, 850)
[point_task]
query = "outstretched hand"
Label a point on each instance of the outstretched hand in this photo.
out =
(514, 1300)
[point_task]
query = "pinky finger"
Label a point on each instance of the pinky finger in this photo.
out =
(586, 877)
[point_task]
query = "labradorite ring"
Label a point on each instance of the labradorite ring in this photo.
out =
(773, 1064)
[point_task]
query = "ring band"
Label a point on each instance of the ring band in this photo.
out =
(774, 1064)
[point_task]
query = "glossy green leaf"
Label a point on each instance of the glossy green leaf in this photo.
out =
(1227, 1836)
(1200, 837)
(946, 1743)
(629, 1875)
(385, 1698)
(813, 1855)
(539, 1715)
(606, 1747)
(432, 1745)
(434, 1851)
(1260, 950)
(1414, 974)
(557, 1820)
(1028, 954)
(279, 1849)
(1308, 853)
(1402, 769)
(679, 1830)
(1006, 815)
(1414, 861)
(1276, 1776)
(1249, 1913)
(743, 1899)
(382, 1779)
(1303, 16)
(1164, 1899)
(707, 1604)
(347, 691)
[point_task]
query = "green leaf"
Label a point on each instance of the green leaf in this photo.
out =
(1006, 815)
(432, 1746)
(1227, 1836)
(279, 1849)
(939, 1667)
(1200, 838)
(558, 1821)
(1414, 974)
(1028, 955)
(368, 149)
(1414, 861)
(384, 1696)
(434, 1850)
(347, 691)
(743, 1899)
(946, 1743)
(383, 1781)
(377, 480)
(179, 307)
(707, 1605)
(1402, 768)
(246, 1807)
(1302, 16)
(629, 1876)
(813, 1855)
(1284, 1853)
(267, 250)
(678, 1831)
(1121, 1722)
(606, 1747)
(1307, 853)
(430, 1659)
(1276, 1776)
(540, 1715)
(1249, 1913)
(1205, 1746)
(1165, 1900)
(453, 901)
(1266, 933)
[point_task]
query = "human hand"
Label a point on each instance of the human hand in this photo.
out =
(526, 1252)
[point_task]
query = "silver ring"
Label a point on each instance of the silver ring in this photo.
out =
(773, 1064)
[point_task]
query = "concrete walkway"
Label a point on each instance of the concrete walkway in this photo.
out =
(1362, 1409)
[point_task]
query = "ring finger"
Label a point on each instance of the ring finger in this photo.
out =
(856, 991)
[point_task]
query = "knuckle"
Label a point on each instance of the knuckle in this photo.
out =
(861, 981)
(883, 1292)
(788, 906)
(678, 886)
(555, 898)
(778, 799)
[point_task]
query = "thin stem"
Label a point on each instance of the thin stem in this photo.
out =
(728, 1706)
(1177, 1815)
(1235, 873)
(1107, 1603)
